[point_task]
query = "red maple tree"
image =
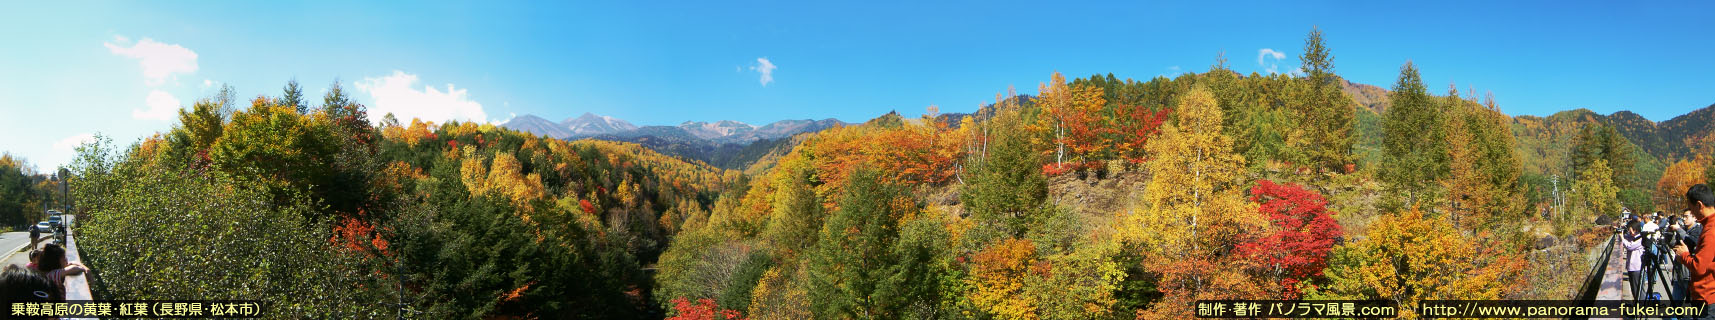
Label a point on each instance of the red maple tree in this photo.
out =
(1304, 233)
(1136, 129)
(702, 310)
(587, 206)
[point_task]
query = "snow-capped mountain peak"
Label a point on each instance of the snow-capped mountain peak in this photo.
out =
(592, 124)
(718, 129)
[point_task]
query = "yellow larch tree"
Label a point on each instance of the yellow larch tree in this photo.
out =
(1407, 257)
(1195, 197)
(1193, 207)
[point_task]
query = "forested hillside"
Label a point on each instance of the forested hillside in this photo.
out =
(723, 144)
(1554, 149)
(24, 193)
(1249, 184)
(1095, 198)
(331, 216)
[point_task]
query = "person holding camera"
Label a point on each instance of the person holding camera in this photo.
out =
(1678, 230)
(1632, 240)
(1701, 262)
(1652, 254)
(1692, 229)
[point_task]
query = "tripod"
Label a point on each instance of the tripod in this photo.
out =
(1675, 288)
(1653, 272)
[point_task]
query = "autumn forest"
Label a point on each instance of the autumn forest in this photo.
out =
(1100, 197)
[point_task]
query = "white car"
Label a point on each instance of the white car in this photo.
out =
(43, 227)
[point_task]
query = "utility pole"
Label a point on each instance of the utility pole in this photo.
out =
(1555, 180)
(65, 190)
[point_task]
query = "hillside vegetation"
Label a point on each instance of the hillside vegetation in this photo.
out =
(330, 216)
(1116, 198)
(1096, 198)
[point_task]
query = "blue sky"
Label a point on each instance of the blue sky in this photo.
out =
(122, 68)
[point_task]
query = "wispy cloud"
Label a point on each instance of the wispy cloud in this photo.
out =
(396, 94)
(160, 61)
(509, 117)
(1269, 60)
(161, 106)
(1261, 55)
(766, 68)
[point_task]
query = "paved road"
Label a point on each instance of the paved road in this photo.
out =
(11, 242)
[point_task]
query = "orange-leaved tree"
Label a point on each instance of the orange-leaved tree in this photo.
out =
(998, 276)
(1048, 130)
(1670, 189)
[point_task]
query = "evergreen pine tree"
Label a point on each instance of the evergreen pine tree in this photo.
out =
(294, 97)
(1328, 113)
(1006, 187)
(1415, 139)
(854, 256)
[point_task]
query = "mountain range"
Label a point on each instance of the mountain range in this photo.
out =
(1544, 143)
(724, 131)
(586, 125)
(726, 143)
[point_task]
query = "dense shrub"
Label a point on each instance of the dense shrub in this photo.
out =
(163, 235)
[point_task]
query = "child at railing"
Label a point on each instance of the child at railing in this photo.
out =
(34, 254)
(19, 285)
(55, 267)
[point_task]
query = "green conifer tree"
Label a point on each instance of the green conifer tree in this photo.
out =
(1414, 141)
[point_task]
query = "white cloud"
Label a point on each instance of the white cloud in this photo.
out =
(509, 117)
(1269, 60)
(395, 94)
(1266, 52)
(162, 106)
(69, 144)
(206, 83)
(159, 60)
(766, 68)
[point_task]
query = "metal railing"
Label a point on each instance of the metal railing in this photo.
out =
(77, 286)
(1598, 272)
